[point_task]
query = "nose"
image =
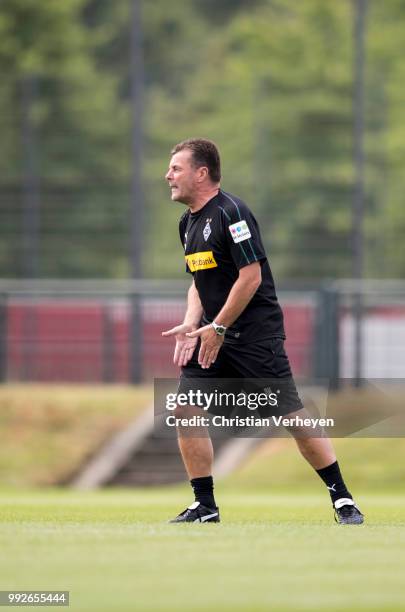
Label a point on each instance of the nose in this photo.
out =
(168, 175)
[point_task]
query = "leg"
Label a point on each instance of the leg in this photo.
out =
(195, 444)
(314, 446)
(196, 450)
(317, 451)
(320, 455)
(197, 454)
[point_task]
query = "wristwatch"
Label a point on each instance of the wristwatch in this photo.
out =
(219, 329)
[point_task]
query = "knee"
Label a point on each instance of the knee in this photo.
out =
(184, 412)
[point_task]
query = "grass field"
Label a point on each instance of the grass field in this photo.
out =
(48, 431)
(114, 551)
(276, 549)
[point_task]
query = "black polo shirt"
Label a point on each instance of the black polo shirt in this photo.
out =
(219, 240)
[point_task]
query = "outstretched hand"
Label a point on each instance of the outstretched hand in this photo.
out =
(211, 342)
(184, 345)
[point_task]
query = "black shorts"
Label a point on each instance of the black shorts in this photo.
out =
(251, 367)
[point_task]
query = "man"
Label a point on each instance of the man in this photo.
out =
(233, 326)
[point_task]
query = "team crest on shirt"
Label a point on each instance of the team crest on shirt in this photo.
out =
(207, 230)
(240, 231)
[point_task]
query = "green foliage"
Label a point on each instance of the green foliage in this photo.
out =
(219, 12)
(270, 81)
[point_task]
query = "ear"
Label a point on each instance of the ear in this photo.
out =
(202, 173)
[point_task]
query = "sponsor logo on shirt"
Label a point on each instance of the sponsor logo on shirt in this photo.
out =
(201, 261)
(240, 231)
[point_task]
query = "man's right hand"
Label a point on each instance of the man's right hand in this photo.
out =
(184, 346)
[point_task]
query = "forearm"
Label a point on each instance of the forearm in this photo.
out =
(194, 308)
(239, 297)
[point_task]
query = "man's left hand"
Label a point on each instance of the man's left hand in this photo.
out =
(211, 342)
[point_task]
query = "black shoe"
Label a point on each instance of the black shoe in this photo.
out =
(347, 513)
(197, 513)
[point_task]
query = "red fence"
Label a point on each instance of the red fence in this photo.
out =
(80, 340)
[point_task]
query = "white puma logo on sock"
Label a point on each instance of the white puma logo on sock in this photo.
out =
(332, 488)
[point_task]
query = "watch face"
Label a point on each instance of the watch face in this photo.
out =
(220, 330)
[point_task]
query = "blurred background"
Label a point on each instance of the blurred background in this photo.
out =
(306, 103)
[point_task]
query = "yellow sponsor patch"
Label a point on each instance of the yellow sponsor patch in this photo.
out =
(201, 261)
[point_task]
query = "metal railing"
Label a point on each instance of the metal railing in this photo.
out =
(110, 331)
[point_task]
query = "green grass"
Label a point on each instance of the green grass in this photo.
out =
(114, 551)
(48, 431)
(276, 549)
(368, 465)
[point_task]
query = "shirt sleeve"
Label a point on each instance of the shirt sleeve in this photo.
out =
(242, 235)
(182, 234)
(182, 229)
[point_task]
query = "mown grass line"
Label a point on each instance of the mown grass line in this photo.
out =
(114, 550)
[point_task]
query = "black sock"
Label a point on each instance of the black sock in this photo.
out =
(333, 479)
(204, 490)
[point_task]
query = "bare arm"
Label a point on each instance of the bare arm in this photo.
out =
(239, 297)
(194, 308)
